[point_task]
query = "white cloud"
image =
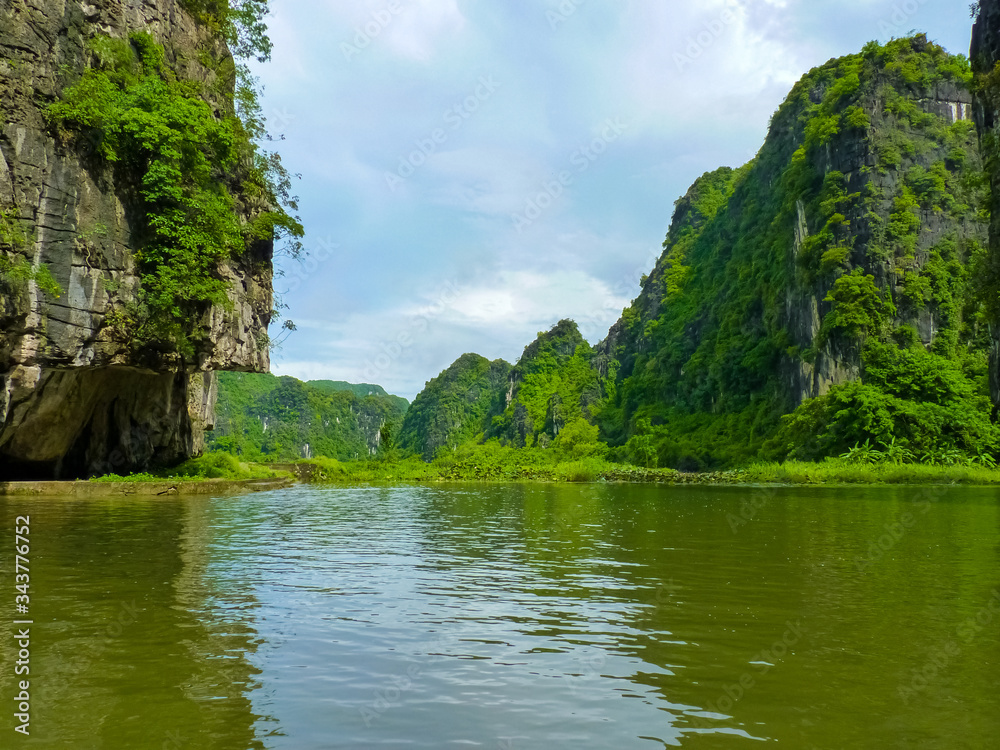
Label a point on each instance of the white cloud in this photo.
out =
(423, 26)
(352, 121)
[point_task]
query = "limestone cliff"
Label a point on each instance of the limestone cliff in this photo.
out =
(78, 398)
(855, 235)
(985, 57)
(867, 168)
(832, 291)
(457, 406)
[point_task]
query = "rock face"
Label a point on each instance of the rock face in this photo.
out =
(985, 55)
(456, 406)
(905, 130)
(857, 221)
(552, 384)
(75, 399)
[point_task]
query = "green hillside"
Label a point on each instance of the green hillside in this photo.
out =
(829, 293)
(838, 269)
(455, 407)
(268, 418)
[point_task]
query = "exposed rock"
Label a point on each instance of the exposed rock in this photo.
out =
(855, 155)
(76, 399)
(985, 55)
(457, 405)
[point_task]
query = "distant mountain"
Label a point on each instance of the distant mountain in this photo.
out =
(834, 290)
(268, 418)
(456, 406)
(553, 384)
(361, 390)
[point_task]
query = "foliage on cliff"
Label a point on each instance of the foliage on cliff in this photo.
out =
(553, 385)
(200, 191)
(361, 390)
(861, 199)
(845, 261)
(456, 406)
(261, 417)
(15, 270)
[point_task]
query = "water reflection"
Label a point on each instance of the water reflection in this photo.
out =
(521, 617)
(135, 644)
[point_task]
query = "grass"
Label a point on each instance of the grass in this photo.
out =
(482, 470)
(831, 471)
(839, 471)
(210, 466)
(490, 464)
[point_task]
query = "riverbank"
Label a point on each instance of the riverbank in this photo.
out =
(830, 472)
(160, 488)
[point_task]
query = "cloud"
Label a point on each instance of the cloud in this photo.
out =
(696, 84)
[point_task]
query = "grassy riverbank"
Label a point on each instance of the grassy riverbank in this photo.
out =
(322, 470)
(497, 464)
(839, 471)
(832, 471)
(210, 466)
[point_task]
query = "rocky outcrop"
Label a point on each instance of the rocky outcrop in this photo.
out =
(456, 406)
(903, 130)
(985, 55)
(76, 398)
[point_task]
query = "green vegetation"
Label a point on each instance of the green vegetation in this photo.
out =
(709, 358)
(360, 390)
(19, 271)
(455, 407)
(487, 462)
(846, 260)
(552, 386)
(212, 466)
(261, 417)
(203, 191)
(836, 471)
(492, 462)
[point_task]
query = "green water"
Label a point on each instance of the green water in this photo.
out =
(510, 618)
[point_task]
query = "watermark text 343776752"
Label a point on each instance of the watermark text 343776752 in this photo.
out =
(22, 624)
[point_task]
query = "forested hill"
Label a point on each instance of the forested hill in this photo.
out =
(267, 418)
(841, 265)
(361, 390)
(827, 293)
(455, 407)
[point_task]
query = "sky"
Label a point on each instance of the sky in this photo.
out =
(474, 171)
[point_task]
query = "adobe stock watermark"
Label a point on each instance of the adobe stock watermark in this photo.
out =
(389, 695)
(896, 24)
(699, 43)
(582, 159)
(945, 654)
(281, 118)
(394, 690)
(894, 532)
(394, 348)
(762, 663)
(321, 250)
(453, 120)
(370, 30)
(565, 10)
(608, 312)
(750, 508)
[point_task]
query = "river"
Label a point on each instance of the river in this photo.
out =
(516, 617)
